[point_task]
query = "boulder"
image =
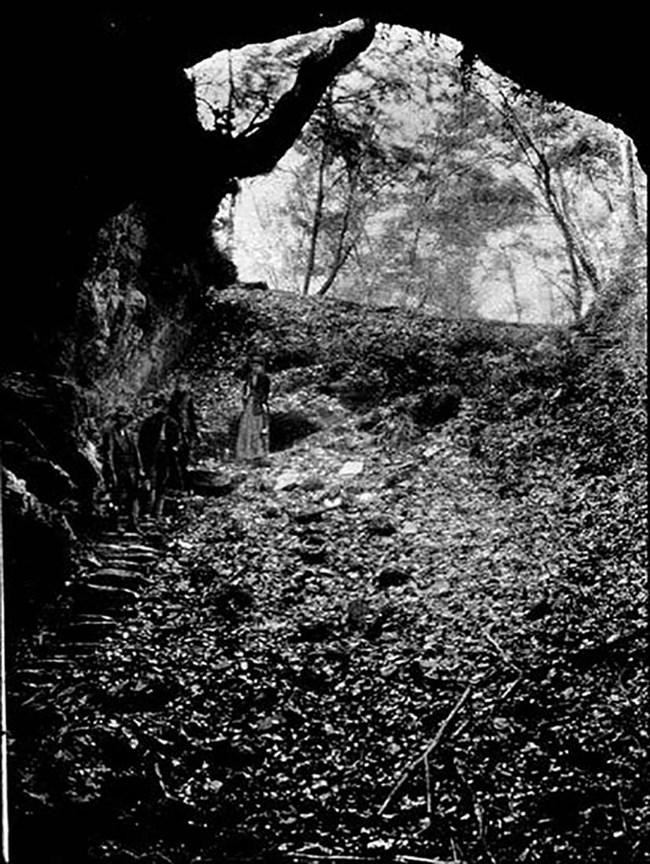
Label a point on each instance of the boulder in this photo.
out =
(212, 484)
(286, 481)
(351, 468)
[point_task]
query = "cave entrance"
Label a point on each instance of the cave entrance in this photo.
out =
(424, 182)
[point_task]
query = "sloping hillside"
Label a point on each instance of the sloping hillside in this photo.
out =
(416, 635)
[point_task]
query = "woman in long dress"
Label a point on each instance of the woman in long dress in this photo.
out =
(253, 434)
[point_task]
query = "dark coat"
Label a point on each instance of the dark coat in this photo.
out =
(257, 388)
(121, 457)
(159, 440)
(181, 408)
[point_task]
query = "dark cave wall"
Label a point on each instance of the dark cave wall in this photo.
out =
(137, 307)
(134, 315)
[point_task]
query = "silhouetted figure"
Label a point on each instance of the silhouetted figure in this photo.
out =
(253, 434)
(182, 410)
(159, 442)
(122, 465)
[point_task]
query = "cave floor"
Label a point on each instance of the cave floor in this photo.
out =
(296, 645)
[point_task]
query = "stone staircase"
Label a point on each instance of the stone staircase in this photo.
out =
(104, 591)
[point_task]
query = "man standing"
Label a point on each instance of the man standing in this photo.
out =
(159, 443)
(122, 465)
(181, 409)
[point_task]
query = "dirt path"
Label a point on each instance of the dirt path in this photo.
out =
(297, 643)
(325, 617)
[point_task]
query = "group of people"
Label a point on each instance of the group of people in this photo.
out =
(141, 466)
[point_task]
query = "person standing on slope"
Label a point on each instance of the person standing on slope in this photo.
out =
(159, 444)
(181, 408)
(122, 465)
(253, 435)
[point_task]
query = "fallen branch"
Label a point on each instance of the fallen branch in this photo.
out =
(412, 859)
(427, 781)
(508, 691)
(501, 651)
(260, 151)
(399, 859)
(428, 749)
(310, 856)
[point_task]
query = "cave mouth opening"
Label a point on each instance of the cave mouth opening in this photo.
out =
(421, 180)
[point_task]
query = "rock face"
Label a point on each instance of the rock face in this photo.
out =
(135, 307)
(44, 426)
(37, 544)
(133, 318)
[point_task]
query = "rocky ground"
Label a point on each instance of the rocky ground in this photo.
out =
(363, 649)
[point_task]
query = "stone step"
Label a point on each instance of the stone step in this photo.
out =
(32, 672)
(90, 598)
(125, 554)
(54, 664)
(117, 577)
(120, 537)
(112, 563)
(106, 592)
(129, 548)
(89, 630)
(81, 647)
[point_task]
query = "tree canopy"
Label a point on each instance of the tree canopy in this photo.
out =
(422, 180)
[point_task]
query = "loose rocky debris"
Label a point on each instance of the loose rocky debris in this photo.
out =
(396, 662)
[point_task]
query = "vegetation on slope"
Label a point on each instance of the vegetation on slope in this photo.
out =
(478, 590)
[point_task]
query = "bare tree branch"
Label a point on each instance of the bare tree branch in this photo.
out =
(259, 152)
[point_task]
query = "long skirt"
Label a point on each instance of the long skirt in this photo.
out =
(253, 437)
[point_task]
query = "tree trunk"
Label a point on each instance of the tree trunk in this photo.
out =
(342, 252)
(579, 260)
(512, 280)
(627, 159)
(316, 222)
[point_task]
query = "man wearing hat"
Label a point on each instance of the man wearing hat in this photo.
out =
(159, 443)
(122, 465)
